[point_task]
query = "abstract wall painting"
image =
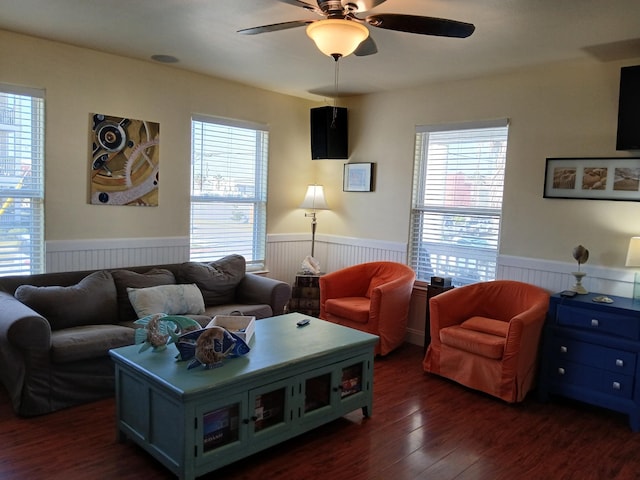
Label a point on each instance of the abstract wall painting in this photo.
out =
(124, 161)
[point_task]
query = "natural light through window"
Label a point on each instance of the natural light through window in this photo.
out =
(457, 201)
(228, 190)
(21, 180)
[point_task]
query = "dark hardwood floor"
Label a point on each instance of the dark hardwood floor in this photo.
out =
(421, 426)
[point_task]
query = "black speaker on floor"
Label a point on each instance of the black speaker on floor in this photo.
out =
(629, 109)
(329, 133)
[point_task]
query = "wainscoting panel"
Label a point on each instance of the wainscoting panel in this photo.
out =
(556, 276)
(285, 253)
(74, 255)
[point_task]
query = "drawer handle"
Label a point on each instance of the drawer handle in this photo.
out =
(616, 385)
(619, 363)
(594, 322)
(561, 371)
(563, 349)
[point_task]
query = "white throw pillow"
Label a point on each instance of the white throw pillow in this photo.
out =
(181, 299)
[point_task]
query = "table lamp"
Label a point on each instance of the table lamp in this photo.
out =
(633, 260)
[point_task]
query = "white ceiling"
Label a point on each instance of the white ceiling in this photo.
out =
(202, 35)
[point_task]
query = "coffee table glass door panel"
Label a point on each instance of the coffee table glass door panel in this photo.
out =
(336, 388)
(272, 411)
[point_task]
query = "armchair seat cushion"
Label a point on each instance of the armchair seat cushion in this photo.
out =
(472, 341)
(487, 325)
(355, 309)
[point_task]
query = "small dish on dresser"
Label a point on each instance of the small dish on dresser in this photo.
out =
(602, 299)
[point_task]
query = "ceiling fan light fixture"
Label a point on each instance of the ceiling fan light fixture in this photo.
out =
(337, 37)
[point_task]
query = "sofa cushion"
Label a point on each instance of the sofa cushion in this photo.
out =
(82, 343)
(352, 308)
(127, 279)
(91, 301)
(180, 299)
(216, 280)
(483, 344)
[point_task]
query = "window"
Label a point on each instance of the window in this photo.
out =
(457, 201)
(21, 181)
(228, 190)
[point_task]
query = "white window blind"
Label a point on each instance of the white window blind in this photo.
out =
(457, 201)
(228, 190)
(21, 180)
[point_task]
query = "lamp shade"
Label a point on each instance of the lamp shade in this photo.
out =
(314, 198)
(337, 37)
(633, 254)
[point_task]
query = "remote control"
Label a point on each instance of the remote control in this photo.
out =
(303, 323)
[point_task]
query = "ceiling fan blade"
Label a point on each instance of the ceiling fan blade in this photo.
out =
(367, 47)
(441, 27)
(305, 5)
(275, 27)
(363, 5)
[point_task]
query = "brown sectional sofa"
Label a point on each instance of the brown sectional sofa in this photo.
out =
(56, 329)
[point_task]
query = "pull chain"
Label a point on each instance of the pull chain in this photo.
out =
(335, 87)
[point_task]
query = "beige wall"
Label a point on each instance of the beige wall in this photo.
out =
(562, 110)
(556, 110)
(80, 81)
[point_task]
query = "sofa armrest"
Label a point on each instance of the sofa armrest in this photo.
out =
(256, 289)
(21, 326)
(24, 335)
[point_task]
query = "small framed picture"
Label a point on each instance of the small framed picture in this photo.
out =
(358, 177)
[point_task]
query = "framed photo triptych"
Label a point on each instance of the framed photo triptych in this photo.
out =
(593, 178)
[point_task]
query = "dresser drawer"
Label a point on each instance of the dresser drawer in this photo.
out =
(591, 378)
(600, 321)
(609, 359)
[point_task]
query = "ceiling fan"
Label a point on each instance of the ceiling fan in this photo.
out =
(341, 16)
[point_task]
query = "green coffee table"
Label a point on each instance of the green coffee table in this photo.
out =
(294, 379)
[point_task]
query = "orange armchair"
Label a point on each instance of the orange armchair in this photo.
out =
(372, 297)
(486, 336)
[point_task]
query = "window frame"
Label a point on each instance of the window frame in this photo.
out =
(24, 145)
(256, 203)
(465, 263)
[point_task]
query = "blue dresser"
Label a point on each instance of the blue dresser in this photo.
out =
(591, 352)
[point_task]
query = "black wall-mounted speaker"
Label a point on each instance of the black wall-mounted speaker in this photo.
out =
(329, 133)
(628, 137)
